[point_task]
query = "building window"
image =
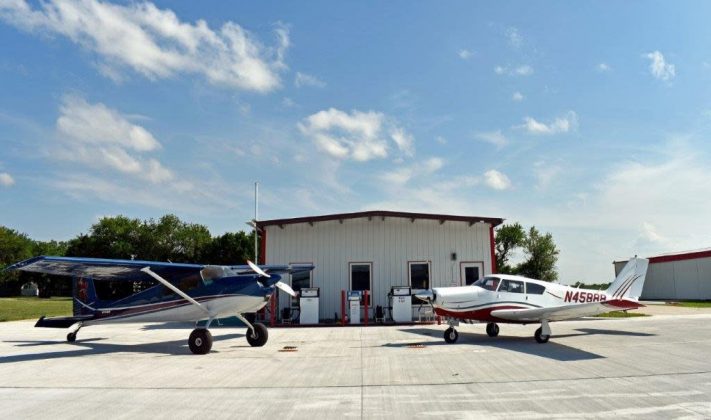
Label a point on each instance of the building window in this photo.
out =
(299, 281)
(470, 272)
(419, 275)
(361, 277)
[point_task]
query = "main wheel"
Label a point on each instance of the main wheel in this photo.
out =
(260, 336)
(200, 341)
(492, 329)
(540, 337)
(451, 335)
(71, 337)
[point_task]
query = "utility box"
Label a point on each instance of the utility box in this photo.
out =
(308, 305)
(401, 303)
(354, 306)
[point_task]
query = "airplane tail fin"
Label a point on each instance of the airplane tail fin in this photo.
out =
(629, 283)
(84, 293)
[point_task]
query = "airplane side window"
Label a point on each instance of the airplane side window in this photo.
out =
(488, 283)
(511, 286)
(535, 289)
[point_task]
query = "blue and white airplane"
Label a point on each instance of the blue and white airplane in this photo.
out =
(125, 291)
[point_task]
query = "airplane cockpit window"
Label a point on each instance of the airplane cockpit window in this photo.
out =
(488, 283)
(511, 286)
(535, 289)
(212, 272)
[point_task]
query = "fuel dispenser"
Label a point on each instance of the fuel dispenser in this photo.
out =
(354, 306)
(308, 304)
(401, 303)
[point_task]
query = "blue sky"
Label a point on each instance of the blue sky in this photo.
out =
(588, 120)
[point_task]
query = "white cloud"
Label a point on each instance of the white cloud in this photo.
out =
(496, 180)
(603, 68)
(360, 136)
(101, 137)
(494, 137)
(517, 97)
(659, 68)
(514, 37)
(564, 124)
(522, 70)
(441, 140)
(465, 54)
(303, 79)
(6, 180)
(155, 42)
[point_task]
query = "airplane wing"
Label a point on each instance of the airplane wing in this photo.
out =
(103, 269)
(112, 269)
(559, 313)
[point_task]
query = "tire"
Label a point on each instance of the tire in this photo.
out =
(451, 335)
(492, 329)
(71, 337)
(260, 335)
(200, 341)
(540, 337)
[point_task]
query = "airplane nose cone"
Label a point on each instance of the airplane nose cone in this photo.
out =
(425, 295)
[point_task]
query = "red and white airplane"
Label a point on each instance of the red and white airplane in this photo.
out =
(502, 298)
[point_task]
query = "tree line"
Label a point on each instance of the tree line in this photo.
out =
(540, 252)
(120, 237)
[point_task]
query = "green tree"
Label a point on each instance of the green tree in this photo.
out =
(542, 256)
(508, 238)
(230, 248)
(14, 247)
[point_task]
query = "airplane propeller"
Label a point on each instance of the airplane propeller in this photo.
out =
(283, 286)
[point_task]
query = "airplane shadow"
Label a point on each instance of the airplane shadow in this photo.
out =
(527, 345)
(96, 346)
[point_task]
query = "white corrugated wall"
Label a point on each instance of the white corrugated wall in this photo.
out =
(388, 244)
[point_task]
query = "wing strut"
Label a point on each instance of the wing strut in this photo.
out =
(180, 293)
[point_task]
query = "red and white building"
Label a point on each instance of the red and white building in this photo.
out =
(677, 276)
(376, 250)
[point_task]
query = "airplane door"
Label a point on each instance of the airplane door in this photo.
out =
(470, 271)
(511, 291)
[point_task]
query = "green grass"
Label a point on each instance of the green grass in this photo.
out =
(699, 304)
(620, 314)
(13, 309)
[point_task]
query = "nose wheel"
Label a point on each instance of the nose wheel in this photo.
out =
(451, 335)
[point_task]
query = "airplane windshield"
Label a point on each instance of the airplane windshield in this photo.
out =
(488, 283)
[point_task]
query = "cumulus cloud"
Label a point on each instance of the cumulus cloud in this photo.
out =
(659, 68)
(464, 54)
(303, 79)
(517, 97)
(155, 42)
(101, 137)
(496, 180)
(564, 124)
(360, 136)
(494, 137)
(514, 37)
(6, 180)
(522, 70)
(603, 68)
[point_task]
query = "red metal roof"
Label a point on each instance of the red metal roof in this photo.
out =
(493, 221)
(681, 256)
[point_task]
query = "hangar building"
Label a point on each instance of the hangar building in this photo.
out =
(678, 276)
(376, 250)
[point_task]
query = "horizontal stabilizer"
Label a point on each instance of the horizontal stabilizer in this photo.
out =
(61, 321)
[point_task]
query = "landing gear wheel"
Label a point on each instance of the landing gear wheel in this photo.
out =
(451, 335)
(540, 337)
(492, 329)
(71, 337)
(260, 336)
(200, 341)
